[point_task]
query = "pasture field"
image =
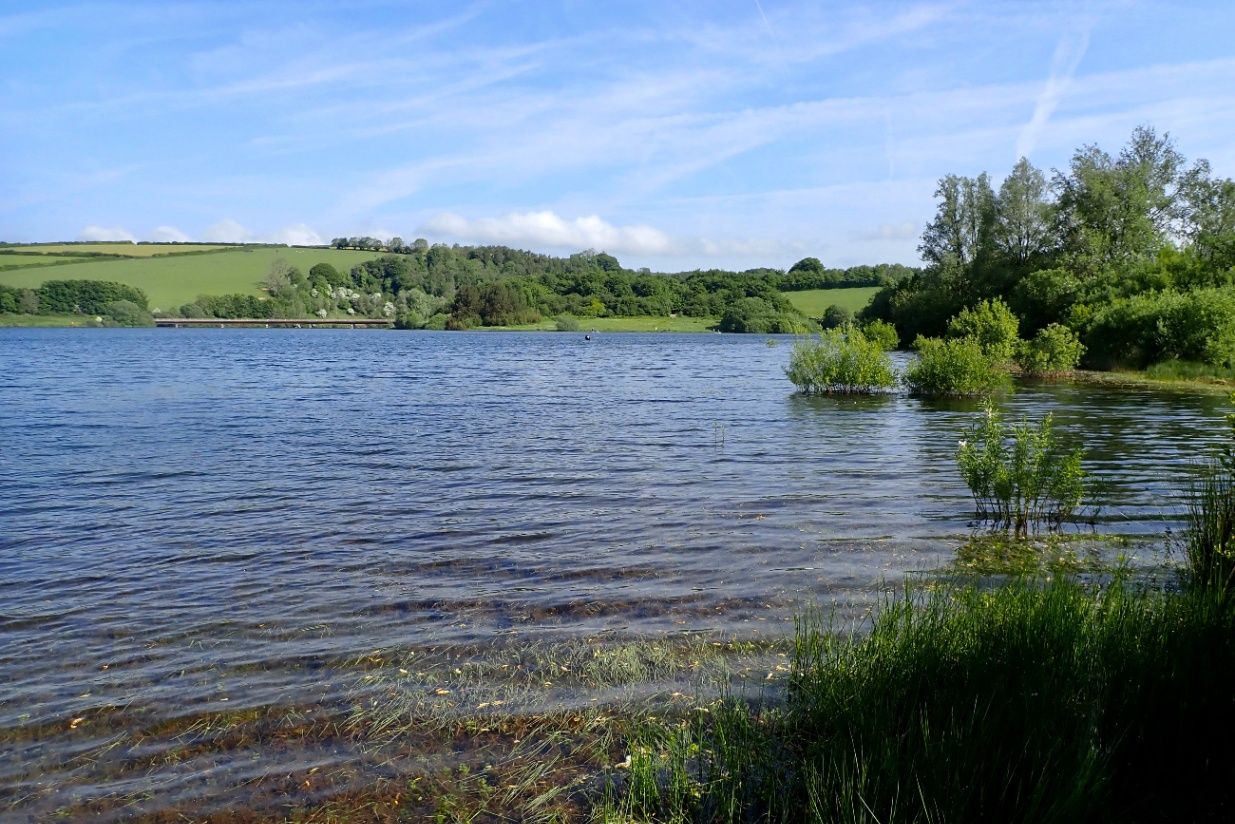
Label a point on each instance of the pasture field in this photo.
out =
(812, 302)
(170, 282)
(20, 261)
(134, 250)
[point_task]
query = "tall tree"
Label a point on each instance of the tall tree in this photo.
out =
(963, 224)
(1118, 212)
(1023, 212)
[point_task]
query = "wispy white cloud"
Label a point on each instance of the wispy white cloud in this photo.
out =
(227, 231)
(100, 234)
(545, 228)
(1069, 52)
(168, 234)
(297, 235)
(232, 231)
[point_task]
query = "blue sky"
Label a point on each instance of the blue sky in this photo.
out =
(674, 135)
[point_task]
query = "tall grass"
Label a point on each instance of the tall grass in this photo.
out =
(1209, 543)
(1025, 703)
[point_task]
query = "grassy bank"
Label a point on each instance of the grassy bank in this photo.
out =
(813, 302)
(1153, 379)
(39, 321)
(1024, 703)
(642, 323)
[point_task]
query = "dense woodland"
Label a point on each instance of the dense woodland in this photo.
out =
(1133, 252)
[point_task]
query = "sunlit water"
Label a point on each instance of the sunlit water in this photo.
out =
(193, 520)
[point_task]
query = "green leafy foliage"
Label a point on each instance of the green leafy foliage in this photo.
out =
(126, 313)
(835, 316)
(841, 361)
(1198, 326)
(954, 367)
(757, 314)
(85, 297)
(1054, 350)
(882, 334)
(1020, 476)
(1120, 248)
(990, 323)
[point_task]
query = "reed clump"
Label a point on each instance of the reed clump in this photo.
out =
(1209, 543)
(1031, 702)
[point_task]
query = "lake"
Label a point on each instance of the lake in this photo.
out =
(195, 522)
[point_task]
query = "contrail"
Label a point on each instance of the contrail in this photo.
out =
(1069, 51)
(759, 6)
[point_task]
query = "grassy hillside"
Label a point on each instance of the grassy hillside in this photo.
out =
(137, 250)
(173, 281)
(812, 302)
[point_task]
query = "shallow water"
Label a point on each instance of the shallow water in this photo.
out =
(200, 520)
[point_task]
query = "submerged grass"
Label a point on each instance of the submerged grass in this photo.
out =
(1031, 702)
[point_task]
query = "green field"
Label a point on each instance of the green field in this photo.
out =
(171, 282)
(136, 250)
(21, 261)
(813, 301)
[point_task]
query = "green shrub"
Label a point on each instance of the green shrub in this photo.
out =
(566, 323)
(192, 310)
(882, 334)
(410, 319)
(953, 366)
(842, 361)
(1020, 477)
(1053, 350)
(835, 316)
(127, 313)
(990, 323)
(438, 322)
(757, 315)
(1159, 326)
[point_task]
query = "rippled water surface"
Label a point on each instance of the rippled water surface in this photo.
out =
(193, 517)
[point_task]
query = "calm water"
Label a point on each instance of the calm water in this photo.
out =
(192, 517)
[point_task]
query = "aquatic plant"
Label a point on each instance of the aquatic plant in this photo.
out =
(954, 367)
(1020, 476)
(841, 362)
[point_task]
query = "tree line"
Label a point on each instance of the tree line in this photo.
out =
(1132, 252)
(115, 303)
(459, 287)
